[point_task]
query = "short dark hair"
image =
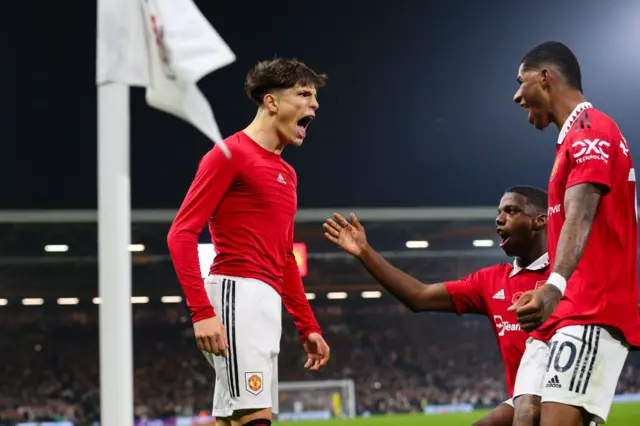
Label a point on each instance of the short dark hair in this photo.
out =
(536, 197)
(279, 74)
(558, 54)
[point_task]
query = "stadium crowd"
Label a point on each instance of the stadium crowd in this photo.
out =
(399, 361)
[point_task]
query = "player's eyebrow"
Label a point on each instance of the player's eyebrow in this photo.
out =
(519, 80)
(306, 92)
(509, 207)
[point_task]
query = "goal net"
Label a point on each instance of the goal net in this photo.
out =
(317, 400)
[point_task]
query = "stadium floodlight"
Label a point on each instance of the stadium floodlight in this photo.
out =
(139, 299)
(337, 295)
(171, 299)
(56, 248)
(4, 302)
(96, 300)
(136, 247)
(310, 296)
(371, 294)
(417, 244)
(32, 301)
(483, 243)
(68, 301)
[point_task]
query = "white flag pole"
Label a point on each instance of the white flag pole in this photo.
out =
(114, 234)
(166, 46)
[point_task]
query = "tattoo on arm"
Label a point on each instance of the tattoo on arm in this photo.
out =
(527, 411)
(580, 206)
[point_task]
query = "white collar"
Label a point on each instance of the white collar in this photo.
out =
(572, 119)
(539, 263)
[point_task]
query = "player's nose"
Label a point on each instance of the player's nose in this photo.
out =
(517, 98)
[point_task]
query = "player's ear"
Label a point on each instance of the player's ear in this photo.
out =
(539, 222)
(271, 103)
(544, 77)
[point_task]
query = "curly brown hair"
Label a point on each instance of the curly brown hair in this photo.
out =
(280, 74)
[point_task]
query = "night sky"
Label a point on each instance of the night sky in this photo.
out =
(418, 109)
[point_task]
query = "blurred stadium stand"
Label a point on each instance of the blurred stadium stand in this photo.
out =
(398, 360)
(25, 264)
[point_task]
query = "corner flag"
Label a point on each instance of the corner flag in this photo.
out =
(166, 46)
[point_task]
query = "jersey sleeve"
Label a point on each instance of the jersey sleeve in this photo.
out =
(294, 297)
(467, 294)
(590, 158)
(213, 179)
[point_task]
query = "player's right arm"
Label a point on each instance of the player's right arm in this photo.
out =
(591, 156)
(462, 296)
(213, 179)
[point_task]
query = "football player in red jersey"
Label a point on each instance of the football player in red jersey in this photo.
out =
(250, 202)
(521, 225)
(586, 316)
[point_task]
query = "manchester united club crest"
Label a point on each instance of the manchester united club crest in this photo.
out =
(253, 382)
(555, 167)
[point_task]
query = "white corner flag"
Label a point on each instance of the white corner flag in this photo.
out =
(166, 46)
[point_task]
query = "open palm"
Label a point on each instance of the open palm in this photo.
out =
(350, 236)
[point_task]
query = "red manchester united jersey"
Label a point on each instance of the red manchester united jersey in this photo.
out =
(490, 292)
(604, 287)
(249, 202)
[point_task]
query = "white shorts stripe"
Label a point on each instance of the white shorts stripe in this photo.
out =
(229, 314)
(584, 343)
(234, 356)
(593, 356)
(225, 322)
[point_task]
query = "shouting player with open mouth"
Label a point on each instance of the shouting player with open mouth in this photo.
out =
(521, 224)
(250, 202)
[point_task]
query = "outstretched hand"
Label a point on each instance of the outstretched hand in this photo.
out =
(350, 236)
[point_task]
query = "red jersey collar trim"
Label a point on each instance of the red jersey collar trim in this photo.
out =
(572, 119)
(540, 263)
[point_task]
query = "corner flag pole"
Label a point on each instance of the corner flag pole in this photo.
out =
(114, 233)
(166, 46)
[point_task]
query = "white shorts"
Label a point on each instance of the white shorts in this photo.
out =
(579, 366)
(251, 312)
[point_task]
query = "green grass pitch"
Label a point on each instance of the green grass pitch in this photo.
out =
(627, 414)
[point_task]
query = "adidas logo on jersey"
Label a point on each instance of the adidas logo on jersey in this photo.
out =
(499, 295)
(554, 382)
(281, 179)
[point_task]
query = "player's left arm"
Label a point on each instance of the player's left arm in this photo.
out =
(296, 303)
(295, 299)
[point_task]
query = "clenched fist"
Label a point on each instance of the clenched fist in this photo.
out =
(211, 336)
